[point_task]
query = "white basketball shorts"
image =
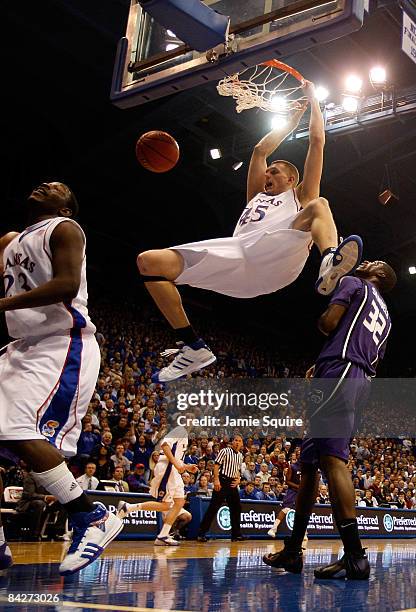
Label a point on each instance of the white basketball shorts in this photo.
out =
(248, 265)
(46, 385)
(167, 483)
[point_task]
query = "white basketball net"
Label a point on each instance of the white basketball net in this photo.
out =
(266, 87)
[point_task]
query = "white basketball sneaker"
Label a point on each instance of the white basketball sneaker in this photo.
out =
(188, 359)
(271, 533)
(165, 541)
(92, 533)
(338, 263)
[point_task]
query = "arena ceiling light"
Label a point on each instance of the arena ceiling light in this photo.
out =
(412, 269)
(279, 103)
(321, 93)
(278, 121)
(215, 153)
(378, 75)
(350, 103)
(353, 83)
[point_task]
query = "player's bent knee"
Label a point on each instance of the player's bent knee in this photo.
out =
(317, 206)
(146, 262)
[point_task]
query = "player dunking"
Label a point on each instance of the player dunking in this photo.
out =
(48, 375)
(268, 249)
(357, 324)
(167, 485)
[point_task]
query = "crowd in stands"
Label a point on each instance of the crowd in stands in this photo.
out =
(128, 417)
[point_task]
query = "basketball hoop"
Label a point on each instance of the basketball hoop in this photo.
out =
(271, 86)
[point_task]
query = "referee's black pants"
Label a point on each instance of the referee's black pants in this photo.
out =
(230, 495)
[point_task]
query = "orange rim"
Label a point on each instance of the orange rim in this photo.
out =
(282, 66)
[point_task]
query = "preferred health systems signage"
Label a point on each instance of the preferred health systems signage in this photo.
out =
(258, 517)
(409, 36)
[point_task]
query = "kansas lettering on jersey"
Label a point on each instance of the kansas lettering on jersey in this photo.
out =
(267, 212)
(362, 332)
(177, 440)
(27, 264)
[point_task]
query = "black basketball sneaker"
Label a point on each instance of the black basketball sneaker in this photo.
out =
(289, 558)
(352, 565)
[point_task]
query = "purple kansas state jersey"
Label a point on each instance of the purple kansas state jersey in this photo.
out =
(361, 334)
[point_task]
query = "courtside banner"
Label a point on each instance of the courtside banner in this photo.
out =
(143, 524)
(257, 517)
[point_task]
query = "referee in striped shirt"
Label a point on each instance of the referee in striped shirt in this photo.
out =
(227, 470)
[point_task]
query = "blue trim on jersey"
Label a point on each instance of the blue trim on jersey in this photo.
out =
(57, 413)
(33, 230)
(164, 481)
(78, 319)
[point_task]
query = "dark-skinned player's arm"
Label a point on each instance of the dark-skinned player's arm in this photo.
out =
(67, 247)
(330, 319)
(289, 482)
(4, 241)
(309, 188)
(264, 148)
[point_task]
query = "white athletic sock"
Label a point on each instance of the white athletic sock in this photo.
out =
(2, 538)
(165, 530)
(59, 482)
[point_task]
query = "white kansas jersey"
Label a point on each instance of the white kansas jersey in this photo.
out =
(266, 213)
(177, 439)
(27, 264)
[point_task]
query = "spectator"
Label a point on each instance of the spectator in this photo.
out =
(120, 484)
(106, 439)
(192, 456)
(103, 464)
(88, 481)
(369, 500)
(87, 441)
(323, 497)
(268, 494)
(119, 458)
(121, 430)
(143, 449)
(248, 492)
(250, 472)
(264, 473)
(137, 481)
(38, 503)
(204, 488)
(188, 487)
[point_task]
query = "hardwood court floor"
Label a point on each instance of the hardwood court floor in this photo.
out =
(216, 576)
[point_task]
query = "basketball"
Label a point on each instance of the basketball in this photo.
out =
(157, 151)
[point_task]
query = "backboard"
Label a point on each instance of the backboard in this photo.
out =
(152, 63)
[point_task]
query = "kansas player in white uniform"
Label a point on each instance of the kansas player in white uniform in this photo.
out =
(48, 373)
(167, 485)
(268, 249)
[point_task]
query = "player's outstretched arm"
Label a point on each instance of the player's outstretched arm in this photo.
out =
(264, 148)
(67, 246)
(309, 188)
(330, 319)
